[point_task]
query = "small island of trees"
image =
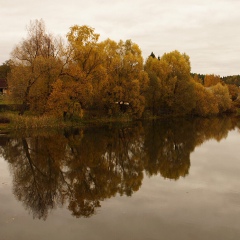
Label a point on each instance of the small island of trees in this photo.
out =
(83, 78)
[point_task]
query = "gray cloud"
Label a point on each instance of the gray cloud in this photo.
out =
(208, 31)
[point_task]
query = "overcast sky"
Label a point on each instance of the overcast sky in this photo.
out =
(206, 30)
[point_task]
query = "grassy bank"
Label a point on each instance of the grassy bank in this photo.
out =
(11, 120)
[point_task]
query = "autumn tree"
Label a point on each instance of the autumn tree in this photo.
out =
(154, 92)
(85, 57)
(36, 65)
(206, 103)
(222, 96)
(67, 98)
(176, 88)
(127, 82)
(86, 61)
(112, 64)
(211, 80)
(233, 91)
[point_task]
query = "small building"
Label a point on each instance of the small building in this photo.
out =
(3, 86)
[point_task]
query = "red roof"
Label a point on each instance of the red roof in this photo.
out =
(3, 83)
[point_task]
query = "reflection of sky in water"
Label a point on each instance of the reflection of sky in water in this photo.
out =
(203, 205)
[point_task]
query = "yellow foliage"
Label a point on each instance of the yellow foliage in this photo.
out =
(222, 96)
(206, 103)
(68, 98)
(171, 83)
(211, 80)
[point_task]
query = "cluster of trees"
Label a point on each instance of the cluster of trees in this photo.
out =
(80, 169)
(172, 88)
(68, 79)
(232, 80)
(235, 79)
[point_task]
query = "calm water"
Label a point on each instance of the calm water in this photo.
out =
(154, 180)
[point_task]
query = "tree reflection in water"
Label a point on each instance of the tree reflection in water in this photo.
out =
(82, 167)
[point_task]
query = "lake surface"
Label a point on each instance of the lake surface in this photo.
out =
(171, 179)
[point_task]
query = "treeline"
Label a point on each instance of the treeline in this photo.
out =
(84, 75)
(235, 79)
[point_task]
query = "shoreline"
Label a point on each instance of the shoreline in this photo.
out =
(47, 122)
